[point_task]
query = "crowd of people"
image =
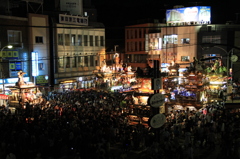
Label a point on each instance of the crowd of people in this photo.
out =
(88, 124)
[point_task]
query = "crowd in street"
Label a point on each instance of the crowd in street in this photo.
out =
(90, 123)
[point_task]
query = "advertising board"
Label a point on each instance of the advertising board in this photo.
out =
(189, 14)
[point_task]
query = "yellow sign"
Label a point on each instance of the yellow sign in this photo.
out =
(41, 80)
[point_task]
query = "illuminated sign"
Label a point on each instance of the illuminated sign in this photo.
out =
(14, 80)
(41, 80)
(73, 6)
(189, 14)
(76, 20)
(34, 64)
(10, 54)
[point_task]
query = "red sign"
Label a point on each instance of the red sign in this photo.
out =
(3, 96)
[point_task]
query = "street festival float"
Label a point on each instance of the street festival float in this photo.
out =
(116, 77)
(202, 84)
(24, 92)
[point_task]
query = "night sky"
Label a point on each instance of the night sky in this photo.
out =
(115, 14)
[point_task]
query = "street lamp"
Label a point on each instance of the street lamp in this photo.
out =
(9, 47)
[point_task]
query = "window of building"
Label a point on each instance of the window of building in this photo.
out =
(137, 58)
(40, 66)
(91, 40)
(67, 39)
(101, 41)
(185, 41)
(96, 40)
(85, 61)
(136, 33)
(140, 33)
(74, 61)
(85, 37)
(60, 62)
(60, 39)
(79, 42)
(67, 62)
(91, 60)
(132, 34)
(136, 46)
(215, 39)
(39, 39)
(14, 36)
(73, 40)
(185, 58)
(170, 39)
(80, 61)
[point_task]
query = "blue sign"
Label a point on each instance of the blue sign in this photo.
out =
(189, 14)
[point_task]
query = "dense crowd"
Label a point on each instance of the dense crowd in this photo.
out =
(87, 124)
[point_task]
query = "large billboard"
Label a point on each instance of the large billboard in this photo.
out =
(200, 14)
(75, 7)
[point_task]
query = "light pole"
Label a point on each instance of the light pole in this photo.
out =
(2, 75)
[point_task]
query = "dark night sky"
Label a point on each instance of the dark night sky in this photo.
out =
(115, 14)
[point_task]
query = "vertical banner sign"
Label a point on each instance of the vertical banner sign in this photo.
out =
(34, 64)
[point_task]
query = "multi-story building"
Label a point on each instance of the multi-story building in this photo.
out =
(78, 45)
(136, 48)
(180, 40)
(78, 48)
(15, 33)
(53, 48)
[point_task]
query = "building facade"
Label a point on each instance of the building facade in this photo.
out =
(78, 50)
(15, 33)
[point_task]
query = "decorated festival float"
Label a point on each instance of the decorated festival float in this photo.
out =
(200, 85)
(115, 77)
(24, 92)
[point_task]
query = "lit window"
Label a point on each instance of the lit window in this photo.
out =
(185, 41)
(170, 39)
(73, 39)
(185, 58)
(40, 66)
